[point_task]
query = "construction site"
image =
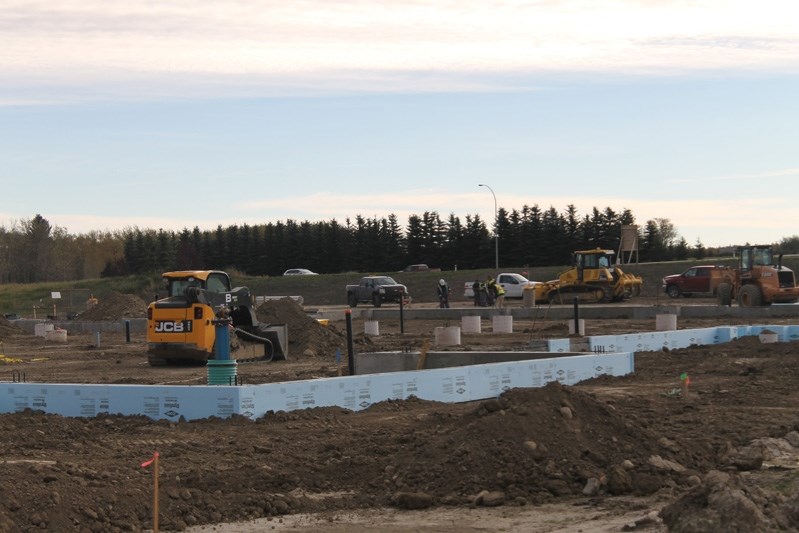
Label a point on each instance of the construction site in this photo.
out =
(684, 421)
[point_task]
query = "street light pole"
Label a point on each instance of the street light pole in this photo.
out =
(496, 225)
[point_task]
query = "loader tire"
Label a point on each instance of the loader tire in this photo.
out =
(724, 292)
(750, 296)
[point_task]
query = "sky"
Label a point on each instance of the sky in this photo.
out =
(184, 113)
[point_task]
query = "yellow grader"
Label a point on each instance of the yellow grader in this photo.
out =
(593, 278)
(181, 328)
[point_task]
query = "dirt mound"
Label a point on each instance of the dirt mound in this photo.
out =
(116, 306)
(7, 329)
(738, 501)
(532, 445)
(307, 337)
(527, 446)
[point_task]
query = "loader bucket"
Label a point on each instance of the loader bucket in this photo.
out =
(279, 335)
(274, 337)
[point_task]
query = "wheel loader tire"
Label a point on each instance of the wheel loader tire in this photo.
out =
(352, 300)
(376, 300)
(673, 291)
(724, 293)
(750, 296)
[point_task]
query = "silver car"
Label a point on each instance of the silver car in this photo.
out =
(299, 272)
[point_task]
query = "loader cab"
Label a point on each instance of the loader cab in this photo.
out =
(178, 287)
(755, 256)
(178, 283)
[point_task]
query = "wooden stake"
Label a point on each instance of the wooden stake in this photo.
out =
(422, 356)
(145, 464)
(155, 493)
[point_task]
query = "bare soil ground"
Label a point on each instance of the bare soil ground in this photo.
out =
(639, 452)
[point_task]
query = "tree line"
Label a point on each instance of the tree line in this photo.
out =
(527, 237)
(34, 250)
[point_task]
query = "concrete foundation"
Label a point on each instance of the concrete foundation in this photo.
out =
(566, 312)
(380, 362)
(56, 335)
(502, 323)
(665, 322)
(578, 329)
(471, 324)
(371, 327)
(448, 336)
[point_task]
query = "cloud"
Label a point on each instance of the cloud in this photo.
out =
(225, 47)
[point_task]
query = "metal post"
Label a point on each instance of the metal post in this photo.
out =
(576, 312)
(576, 316)
(496, 226)
(350, 347)
(402, 314)
(127, 331)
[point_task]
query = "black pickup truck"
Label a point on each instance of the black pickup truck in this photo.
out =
(376, 290)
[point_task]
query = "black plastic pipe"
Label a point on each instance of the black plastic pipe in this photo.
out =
(576, 316)
(350, 347)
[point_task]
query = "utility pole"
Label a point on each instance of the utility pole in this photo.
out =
(496, 226)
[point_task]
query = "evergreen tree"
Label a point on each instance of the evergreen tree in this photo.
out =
(452, 250)
(699, 250)
(187, 256)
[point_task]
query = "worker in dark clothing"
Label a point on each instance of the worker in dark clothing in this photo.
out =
(476, 292)
(443, 294)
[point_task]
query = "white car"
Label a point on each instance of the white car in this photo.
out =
(299, 272)
(512, 283)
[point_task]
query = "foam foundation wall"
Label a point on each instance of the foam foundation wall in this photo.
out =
(614, 355)
(457, 384)
(658, 340)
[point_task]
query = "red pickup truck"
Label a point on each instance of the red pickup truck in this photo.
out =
(702, 279)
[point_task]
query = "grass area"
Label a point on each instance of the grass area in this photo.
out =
(37, 298)
(324, 289)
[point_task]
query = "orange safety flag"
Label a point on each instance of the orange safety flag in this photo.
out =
(145, 464)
